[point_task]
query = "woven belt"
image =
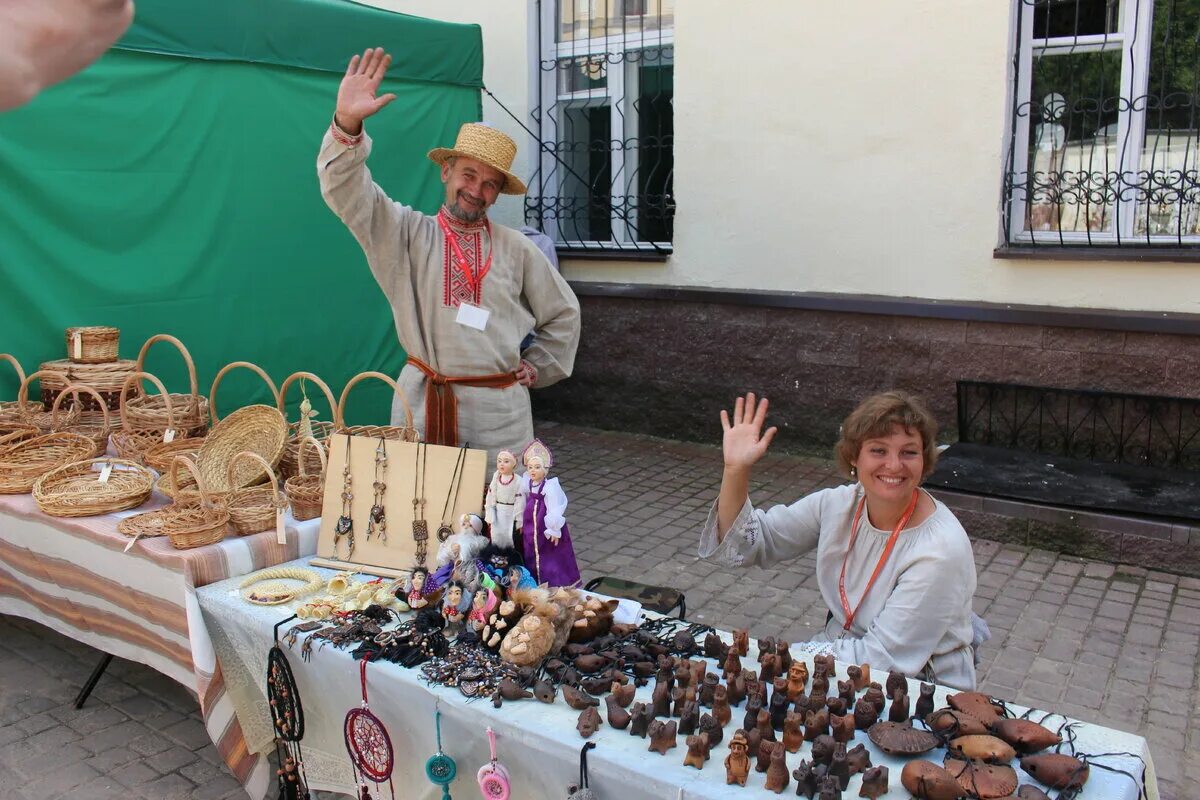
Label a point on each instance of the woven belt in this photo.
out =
(441, 406)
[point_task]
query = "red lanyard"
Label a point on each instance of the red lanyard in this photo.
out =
(473, 280)
(887, 551)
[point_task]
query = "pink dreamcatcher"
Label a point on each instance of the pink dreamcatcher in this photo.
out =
(368, 744)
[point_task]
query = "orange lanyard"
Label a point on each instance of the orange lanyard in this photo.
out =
(473, 280)
(887, 551)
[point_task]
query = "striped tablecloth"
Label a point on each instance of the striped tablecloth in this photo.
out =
(74, 575)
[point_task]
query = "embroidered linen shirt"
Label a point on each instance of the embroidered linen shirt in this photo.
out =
(919, 610)
(414, 264)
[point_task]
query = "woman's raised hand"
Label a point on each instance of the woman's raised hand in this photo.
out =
(356, 98)
(745, 442)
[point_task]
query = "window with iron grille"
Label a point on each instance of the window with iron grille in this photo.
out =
(1105, 135)
(603, 93)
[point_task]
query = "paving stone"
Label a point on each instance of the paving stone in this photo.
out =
(112, 758)
(61, 780)
(172, 786)
(135, 774)
(217, 788)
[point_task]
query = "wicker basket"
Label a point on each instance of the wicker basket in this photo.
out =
(22, 464)
(44, 420)
(256, 508)
(76, 490)
(304, 491)
(158, 457)
(10, 410)
(98, 433)
(194, 525)
(405, 433)
(259, 429)
(151, 412)
(132, 443)
(288, 463)
(106, 379)
(13, 435)
(212, 393)
(95, 344)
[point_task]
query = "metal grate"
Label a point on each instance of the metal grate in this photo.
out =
(1097, 426)
(1104, 145)
(604, 119)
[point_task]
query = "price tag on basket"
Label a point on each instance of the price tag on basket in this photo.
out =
(169, 435)
(280, 530)
(105, 473)
(76, 345)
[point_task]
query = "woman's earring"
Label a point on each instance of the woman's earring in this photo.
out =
(853, 471)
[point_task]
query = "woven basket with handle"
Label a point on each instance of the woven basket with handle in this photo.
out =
(106, 378)
(97, 432)
(259, 429)
(212, 393)
(82, 490)
(306, 491)
(132, 443)
(187, 524)
(10, 410)
(297, 431)
(33, 413)
(254, 508)
(404, 433)
(25, 462)
(151, 412)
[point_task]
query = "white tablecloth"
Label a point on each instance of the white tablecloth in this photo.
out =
(537, 742)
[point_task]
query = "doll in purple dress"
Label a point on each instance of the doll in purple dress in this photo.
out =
(546, 539)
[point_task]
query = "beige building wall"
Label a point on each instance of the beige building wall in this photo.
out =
(835, 147)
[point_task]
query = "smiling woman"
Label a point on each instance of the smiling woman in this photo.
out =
(894, 565)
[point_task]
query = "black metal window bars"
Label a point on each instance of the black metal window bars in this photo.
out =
(1104, 132)
(603, 115)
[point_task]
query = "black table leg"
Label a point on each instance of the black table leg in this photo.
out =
(93, 680)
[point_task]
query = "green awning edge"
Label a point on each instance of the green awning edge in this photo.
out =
(317, 35)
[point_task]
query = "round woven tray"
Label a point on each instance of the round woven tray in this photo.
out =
(258, 429)
(106, 379)
(97, 433)
(132, 443)
(158, 457)
(404, 433)
(76, 490)
(319, 430)
(255, 508)
(186, 525)
(10, 410)
(306, 491)
(151, 412)
(212, 393)
(44, 419)
(95, 344)
(22, 464)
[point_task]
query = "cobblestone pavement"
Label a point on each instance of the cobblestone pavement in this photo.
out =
(1108, 644)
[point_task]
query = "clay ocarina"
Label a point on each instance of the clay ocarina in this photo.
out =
(589, 722)
(662, 736)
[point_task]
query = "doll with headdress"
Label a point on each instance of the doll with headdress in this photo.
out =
(499, 508)
(546, 539)
(417, 593)
(456, 602)
(456, 556)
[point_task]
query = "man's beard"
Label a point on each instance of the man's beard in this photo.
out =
(463, 215)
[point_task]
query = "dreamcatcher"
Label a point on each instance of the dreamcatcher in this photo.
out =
(440, 768)
(493, 776)
(368, 744)
(287, 719)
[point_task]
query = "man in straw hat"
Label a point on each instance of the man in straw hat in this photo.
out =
(464, 292)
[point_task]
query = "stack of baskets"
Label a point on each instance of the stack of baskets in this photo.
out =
(91, 361)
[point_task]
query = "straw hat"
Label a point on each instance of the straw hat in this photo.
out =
(486, 145)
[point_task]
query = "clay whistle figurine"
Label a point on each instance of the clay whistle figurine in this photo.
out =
(928, 781)
(697, 752)
(753, 706)
(714, 647)
(732, 665)
(860, 674)
(577, 698)
(793, 736)
(797, 679)
(765, 749)
(874, 783)
(662, 736)
(736, 690)
(898, 712)
(806, 780)
(623, 693)
(820, 687)
(741, 641)
(660, 702)
(838, 767)
(822, 749)
(828, 789)
(784, 651)
(589, 722)
(895, 680)
(708, 725)
(924, 705)
(544, 691)
(842, 727)
(858, 758)
(617, 717)
(764, 727)
(874, 695)
(721, 710)
(511, 690)
(708, 689)
(768, 667)
(777, 772)
(689, 718)
(816, 724)
(737, 763)
(846, 692)
(778, 709)
(836, 705)
(683, 674)
(830, 664)
(639, 723)
(678, 700)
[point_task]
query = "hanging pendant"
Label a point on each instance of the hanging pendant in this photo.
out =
(377, 519)
(444, 532)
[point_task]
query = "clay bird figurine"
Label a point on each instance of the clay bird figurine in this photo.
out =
(662, 736)
(577, 698)
(617, 717)
(589, 722)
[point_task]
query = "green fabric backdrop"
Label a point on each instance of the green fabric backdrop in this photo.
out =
(171, 187)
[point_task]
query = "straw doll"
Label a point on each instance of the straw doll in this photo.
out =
(499, 509)
(546, 539)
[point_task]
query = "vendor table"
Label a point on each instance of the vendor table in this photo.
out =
(537, 742)
(74, 575)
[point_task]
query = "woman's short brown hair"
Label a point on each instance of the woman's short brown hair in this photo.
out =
(874, 419)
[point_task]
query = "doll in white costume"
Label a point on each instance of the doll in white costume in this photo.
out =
(499, 509)
(456, 556)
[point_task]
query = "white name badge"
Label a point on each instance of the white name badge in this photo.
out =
(472, 316)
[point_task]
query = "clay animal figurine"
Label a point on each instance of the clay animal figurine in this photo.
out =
(829, 662)
(721, 710)
(858, 758)
(732, 665)
(623, 693)
(846, 692)
(737, 763)
(736, 689)
(714, 647)
(764, 727)
(838, 767)
(820, 686)
(708, 689)
(797, 679)
(660, 702)
(699, 669)
(765, 749)
(708, 724)
(662, 736)
(639, 723)
(784, 651)
(778, 709)
(836, 705)
(617, 717)
(769, 667)
(928, 781)
(697, 752)
(865, 714)
(822, 750)
(544, 691)
(589, 722)
(895, 680)
(803, 704)
(753, 706)
(793, 736)
(511, 690)
(829, 789)
(777, 772)
(577, 698)
(678, 700)
(874, 783)
(898, 712)
(842, 727)
(816, 724)
(860, 675)
(683, 673)
(874, 694)
(741, 641)
(806, 781)
(689, 718)
(924, 704)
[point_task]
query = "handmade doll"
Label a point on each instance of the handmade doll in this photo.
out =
(455, 602)
(495, 563)
(545, 536)
(499, 509)
(415, 593)
(483, 603)
(456, 556)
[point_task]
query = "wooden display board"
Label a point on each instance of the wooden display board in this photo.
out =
(397, 555)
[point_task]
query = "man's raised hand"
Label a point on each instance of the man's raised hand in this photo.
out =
(745, 442)
(356, 98)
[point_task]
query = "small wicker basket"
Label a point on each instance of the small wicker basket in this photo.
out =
(10, 410)
(319, 430)
(259, 429)
(187, 525)
(212, 393)
(151, 412)
(404, 433)
(32, 413)
(95, 344)
(158, 457)
(22, 464)
(78, 490)
(13, 435)
(256, 508)
(106, 378)
(304, 491)
(132, 443)
(98, 433)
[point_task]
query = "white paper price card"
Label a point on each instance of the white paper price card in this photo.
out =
(472, 316)
(169, 435)
(76, 345)
(280, 530)
(105, 473)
